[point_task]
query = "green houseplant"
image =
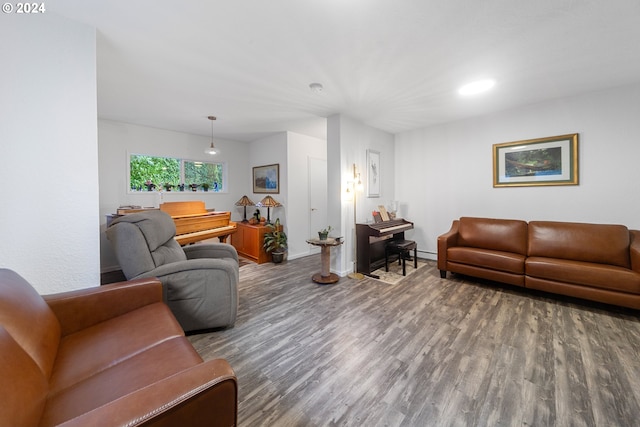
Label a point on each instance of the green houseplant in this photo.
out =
(275, 241)
(324, 233)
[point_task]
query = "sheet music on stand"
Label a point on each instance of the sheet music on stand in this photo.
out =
(383, 213)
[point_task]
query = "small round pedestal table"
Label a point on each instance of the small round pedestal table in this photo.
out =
(325, 276)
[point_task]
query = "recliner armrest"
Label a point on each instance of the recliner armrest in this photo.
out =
(445, 241)
(204, 395)
(79, 309)
(210, 250)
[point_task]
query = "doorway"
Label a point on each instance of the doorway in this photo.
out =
(317, 197)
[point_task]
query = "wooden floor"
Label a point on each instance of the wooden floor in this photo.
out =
(424, 352)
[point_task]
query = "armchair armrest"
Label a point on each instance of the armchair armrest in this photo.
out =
(445, 241)
(79, 309)
(634, 250)
(223, 265)
(204, 395)
(211, 250)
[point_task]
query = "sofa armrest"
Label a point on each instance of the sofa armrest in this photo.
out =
(445, 241)
(634, 250)
(204, 395)
(211, 250)
(79, 309)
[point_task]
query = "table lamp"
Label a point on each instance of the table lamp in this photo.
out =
(268, 202)
(245, 201)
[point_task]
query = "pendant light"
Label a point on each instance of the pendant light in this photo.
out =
(212, 149)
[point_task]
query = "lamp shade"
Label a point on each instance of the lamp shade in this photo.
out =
(268, 202)
(245, 201)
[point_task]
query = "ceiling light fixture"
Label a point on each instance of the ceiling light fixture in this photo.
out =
(212, 149)
(316, 87)
(476, 87)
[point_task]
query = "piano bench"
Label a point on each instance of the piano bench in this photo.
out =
(402, 248)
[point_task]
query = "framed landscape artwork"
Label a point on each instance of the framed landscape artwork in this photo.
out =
(543, 161)
(266, 179)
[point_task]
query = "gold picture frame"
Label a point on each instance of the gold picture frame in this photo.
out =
(266, 179)
(536, 162)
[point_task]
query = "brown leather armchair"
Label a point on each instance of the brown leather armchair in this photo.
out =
(111, 355)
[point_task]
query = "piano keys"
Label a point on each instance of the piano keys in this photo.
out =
(371, 240)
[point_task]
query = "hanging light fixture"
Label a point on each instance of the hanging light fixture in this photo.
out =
(212, 149)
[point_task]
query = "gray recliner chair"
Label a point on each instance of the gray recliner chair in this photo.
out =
(200, 282)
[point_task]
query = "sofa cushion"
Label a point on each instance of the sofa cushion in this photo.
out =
(147, 367)
(584, 273)
(496, 260)
(93, 350)
(596, 243)
(29, 320)
(506, 235)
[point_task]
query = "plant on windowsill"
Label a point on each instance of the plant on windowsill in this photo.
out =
(324, 233)
(167, 186)
(205, 186)
(194, 187)
(275, 241)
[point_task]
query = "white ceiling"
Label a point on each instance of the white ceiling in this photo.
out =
(392, 64)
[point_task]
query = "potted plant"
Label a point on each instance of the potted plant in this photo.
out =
(194, 187)
(324, 233)
(167, 186)
(275, 242)
(205, 186)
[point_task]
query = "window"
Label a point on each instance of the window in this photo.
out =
(147, 173)
(197, 172)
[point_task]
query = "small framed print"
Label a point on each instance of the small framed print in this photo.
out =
(373, 173)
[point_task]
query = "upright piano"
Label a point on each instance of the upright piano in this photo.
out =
(195, 223)
(371, 240)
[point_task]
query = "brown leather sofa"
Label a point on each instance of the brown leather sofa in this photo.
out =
(599, 262)
(107, 356)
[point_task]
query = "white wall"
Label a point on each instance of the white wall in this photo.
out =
(299, 149)
(118, 140)
(49, 192)
(444, 172)
(348, 141)
(268, 151)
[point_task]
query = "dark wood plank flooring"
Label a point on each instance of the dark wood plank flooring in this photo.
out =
(424, 352)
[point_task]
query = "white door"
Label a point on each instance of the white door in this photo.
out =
(317, 197)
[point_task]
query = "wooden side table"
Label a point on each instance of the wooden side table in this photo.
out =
(325, 276)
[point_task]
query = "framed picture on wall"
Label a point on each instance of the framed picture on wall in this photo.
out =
(543, 161)
(266, 179)
(373, 173)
